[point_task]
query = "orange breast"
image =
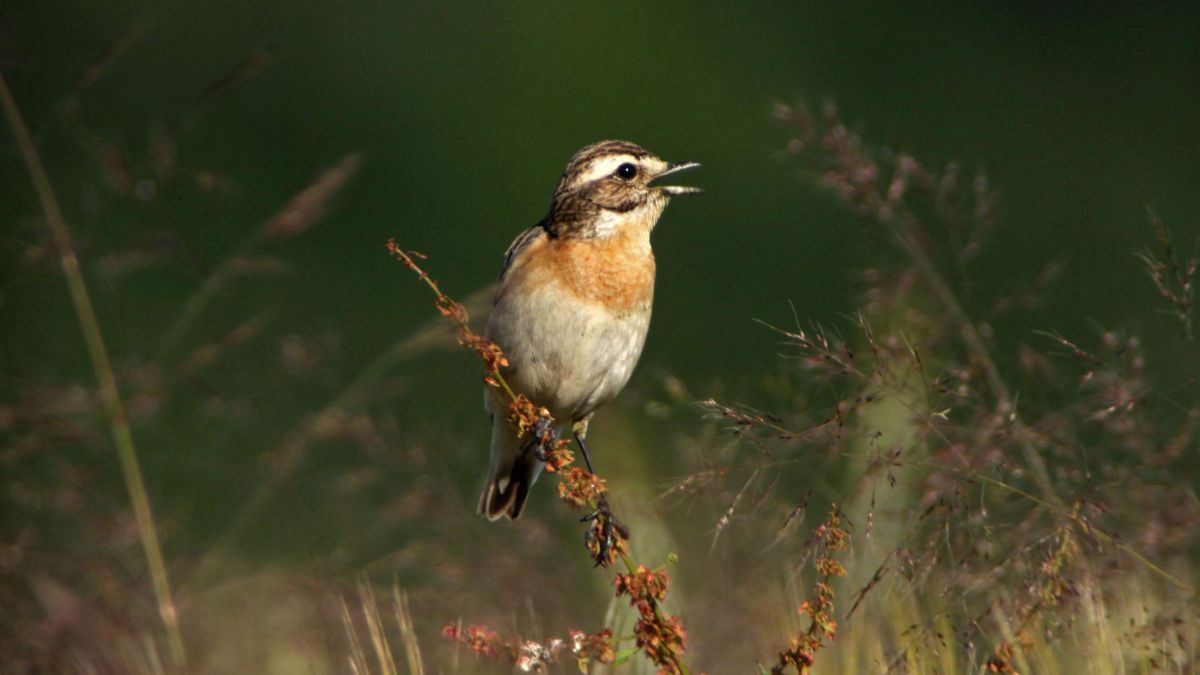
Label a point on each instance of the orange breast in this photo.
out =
(616, 272)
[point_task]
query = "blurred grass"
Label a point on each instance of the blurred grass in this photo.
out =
(114, 407)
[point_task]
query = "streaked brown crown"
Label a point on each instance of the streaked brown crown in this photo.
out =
(591, 185)
(589, 155)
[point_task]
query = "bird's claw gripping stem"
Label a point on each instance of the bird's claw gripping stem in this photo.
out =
(601, 537)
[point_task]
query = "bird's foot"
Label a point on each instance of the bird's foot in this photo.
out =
(606, 536)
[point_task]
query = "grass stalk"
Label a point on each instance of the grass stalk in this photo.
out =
(297, 215)
(978, 349)
(408, 633)
(106, 378)
(290, 453)
(196, 303)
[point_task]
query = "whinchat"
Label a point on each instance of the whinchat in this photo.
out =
(573, 304)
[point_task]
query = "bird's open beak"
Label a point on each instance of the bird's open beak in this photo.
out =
(676, 167)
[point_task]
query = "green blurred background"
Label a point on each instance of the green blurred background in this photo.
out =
(1083, 114)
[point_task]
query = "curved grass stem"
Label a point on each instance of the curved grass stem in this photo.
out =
(105, 377)
(494, 361)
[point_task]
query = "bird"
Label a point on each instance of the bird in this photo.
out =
(572, 304)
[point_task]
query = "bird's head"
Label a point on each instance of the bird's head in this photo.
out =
(611, 185)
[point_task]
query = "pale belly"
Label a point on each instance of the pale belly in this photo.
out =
(571, 357)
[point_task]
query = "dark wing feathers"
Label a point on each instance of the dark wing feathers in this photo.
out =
(519, 244)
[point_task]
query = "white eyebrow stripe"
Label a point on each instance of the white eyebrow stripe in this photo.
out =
(605, 167)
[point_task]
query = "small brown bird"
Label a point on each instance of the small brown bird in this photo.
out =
(573, 303)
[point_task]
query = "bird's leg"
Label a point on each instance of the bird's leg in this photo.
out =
(580, 430)
(605, 524)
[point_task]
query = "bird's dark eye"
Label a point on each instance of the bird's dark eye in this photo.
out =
(627, 171)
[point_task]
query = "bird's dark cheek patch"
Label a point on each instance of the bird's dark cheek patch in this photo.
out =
(624, 206)
(618, 200)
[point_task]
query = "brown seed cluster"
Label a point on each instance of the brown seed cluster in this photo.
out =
(661, 637)
(822, 627)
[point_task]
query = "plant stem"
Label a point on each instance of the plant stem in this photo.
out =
(109, 394)
(196, 303)
(451, 310)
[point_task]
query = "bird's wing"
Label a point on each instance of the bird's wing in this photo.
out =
(519, 244)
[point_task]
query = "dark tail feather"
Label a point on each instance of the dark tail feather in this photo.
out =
(505, 494)
(511, 473)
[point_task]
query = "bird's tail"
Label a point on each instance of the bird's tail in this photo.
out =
(510, 474)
